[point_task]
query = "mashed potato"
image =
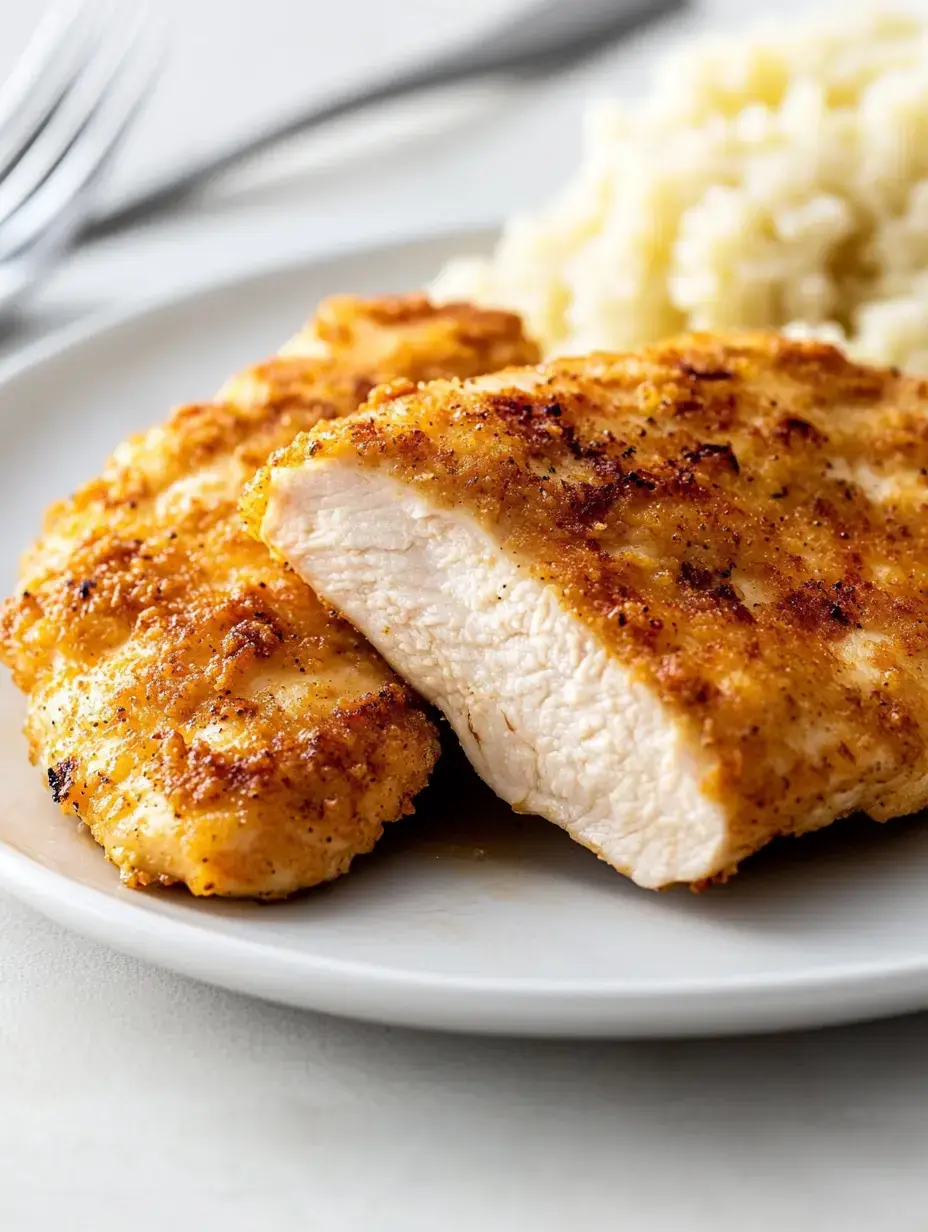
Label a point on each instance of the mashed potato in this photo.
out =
(777, 180)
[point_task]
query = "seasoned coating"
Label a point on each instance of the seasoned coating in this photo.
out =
(739, 522)
(189, 698)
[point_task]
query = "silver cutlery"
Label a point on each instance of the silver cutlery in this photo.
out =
(542, 38)
(63, 111)
(81, 82)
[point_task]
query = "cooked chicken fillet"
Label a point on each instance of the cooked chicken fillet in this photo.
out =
(675, 602)
(191, 700)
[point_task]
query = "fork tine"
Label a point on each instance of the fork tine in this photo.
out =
(47, 217)
(42, 76)
(59, 22)
(94, 82)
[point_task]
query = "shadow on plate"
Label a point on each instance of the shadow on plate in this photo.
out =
(459, 819)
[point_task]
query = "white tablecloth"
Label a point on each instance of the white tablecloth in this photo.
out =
(135, 1099)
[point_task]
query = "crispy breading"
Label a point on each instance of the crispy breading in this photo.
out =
(190, 699)
(740, 522)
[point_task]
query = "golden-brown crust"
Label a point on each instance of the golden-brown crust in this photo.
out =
(742, 519)
(427, 344)
(190, 699)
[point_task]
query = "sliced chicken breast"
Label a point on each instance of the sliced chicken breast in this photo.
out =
(676, 602)
(190, 699)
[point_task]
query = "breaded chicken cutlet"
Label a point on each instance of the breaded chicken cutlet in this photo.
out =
(190, 699)
(675, 601)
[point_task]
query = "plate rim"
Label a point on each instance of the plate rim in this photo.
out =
(478, 1004)
(62, 339)
(832, 993)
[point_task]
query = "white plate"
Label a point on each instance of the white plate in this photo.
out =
(467, 917)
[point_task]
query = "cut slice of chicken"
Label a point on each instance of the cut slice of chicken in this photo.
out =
(189, 698)
(675, 602)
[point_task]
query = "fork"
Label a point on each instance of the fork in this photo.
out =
(80, 85)
(68, 103)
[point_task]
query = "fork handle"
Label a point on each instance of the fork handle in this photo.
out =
(185, 182)
(540, 40)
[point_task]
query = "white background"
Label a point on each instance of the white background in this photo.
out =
(134, 1099)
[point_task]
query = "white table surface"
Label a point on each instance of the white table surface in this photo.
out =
(130, 1098)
